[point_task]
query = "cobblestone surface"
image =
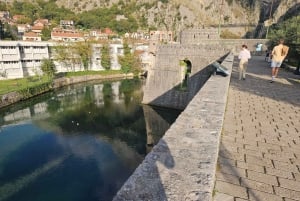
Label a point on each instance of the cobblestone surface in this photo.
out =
(259, 157)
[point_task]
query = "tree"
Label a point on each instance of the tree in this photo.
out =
(48, 67)
(11, 32)
(46, 34)
(3, 6)
(84, 50)
(64, 54)
(3, 74)
(289, 30)
(105, 57)
(1, 30)
(129, 61)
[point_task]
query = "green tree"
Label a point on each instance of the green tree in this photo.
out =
(84, 50)
(48, 67)
(129, 61)
(3, 6)
(11, 32)
(17, 7)
(1, 30)
(46, 34)
(105, 56)
(62, 54)
(289, 30)
(24, 20)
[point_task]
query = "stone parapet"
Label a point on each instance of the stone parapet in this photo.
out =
(182, 165)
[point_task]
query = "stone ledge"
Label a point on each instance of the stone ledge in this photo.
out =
(182, 165)
(13, 97)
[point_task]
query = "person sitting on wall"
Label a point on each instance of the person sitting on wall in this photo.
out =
(258, 49)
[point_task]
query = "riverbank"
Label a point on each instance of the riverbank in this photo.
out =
(13, 97)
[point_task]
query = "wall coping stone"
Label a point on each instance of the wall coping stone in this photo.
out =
(182, 165)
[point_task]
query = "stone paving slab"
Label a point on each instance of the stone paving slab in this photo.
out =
(259, 155)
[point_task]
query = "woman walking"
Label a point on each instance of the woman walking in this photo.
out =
(244, 56)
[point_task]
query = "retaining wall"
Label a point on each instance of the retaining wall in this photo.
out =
(13, 97)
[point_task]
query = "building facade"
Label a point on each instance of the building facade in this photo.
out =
(20, 59)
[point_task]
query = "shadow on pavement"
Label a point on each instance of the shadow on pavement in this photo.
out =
(286, 87)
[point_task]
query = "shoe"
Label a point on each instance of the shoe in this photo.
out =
(244, 78)
(271, 81)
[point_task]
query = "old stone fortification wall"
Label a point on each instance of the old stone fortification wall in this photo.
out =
(166, 74)
(182, 165)
(235, 45)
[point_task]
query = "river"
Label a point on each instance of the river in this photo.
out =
(78, 143)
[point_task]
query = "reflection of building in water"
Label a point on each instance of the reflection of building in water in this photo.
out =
(69, 98)
(37, 110)
(97, 91)
(40, 108)
(115, 90)
(98, 88)
(18, 115)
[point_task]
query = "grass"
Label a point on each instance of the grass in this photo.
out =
(7, 86)
(82, 73)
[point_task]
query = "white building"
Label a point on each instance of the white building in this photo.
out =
(19, 59)
(66, 35)
(32, 36)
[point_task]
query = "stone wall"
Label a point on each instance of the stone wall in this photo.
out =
(195, 36)
(13, 97)
(165, 76)
(182, 165)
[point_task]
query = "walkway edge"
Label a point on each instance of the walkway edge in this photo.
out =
(183, 164)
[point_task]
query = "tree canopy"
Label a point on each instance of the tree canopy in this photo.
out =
(97, 18)
(288, 30)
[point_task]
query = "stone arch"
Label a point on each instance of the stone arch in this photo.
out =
(185, 71)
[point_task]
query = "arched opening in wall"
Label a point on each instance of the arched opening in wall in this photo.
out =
(185, 71)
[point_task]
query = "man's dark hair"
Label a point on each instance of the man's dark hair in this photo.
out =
(281, 41)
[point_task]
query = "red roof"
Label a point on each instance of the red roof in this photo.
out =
(42, 21)
(65, 35)
(37, 28)
(31, 34)
(108, 31)
(17, 17)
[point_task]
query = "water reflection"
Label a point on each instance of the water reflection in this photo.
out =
(78, 143)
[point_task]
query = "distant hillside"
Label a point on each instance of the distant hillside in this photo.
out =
(176, 15)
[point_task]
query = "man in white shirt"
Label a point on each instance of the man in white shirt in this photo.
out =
(243, 56)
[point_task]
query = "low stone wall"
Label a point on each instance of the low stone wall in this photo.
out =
(182, 165)
(10, 98)
(13, 97)
(60, 82)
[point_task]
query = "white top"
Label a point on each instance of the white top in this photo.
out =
(244, 54)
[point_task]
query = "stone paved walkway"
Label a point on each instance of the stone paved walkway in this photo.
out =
(259, 156)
